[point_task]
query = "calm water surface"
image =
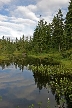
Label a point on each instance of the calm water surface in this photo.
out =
(18, 88)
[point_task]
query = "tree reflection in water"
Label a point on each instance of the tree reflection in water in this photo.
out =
(52, 77)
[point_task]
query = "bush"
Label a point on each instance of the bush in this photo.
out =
(66, 54)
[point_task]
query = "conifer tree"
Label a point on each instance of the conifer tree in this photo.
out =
(57, 30)
(41, 36)
(68, 26)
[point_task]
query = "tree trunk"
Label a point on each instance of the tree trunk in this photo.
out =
(59, 47)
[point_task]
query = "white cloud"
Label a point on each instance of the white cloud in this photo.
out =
(51, 4)
(3, 18)
(23, 11)
(2, 2)
(9, 32)
(32, 7)
(50, 7)
(16, 27)
(23, 19)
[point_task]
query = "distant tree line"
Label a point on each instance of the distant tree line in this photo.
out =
(18, 46)
(56, 36)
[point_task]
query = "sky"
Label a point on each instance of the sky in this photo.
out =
(18, 17)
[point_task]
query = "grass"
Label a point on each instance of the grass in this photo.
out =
(45, 55)
(67, 63)
(56, 56)
(3, 57)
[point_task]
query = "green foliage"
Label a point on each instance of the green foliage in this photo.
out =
(4, 57)
(55, 37)
(58, 78)
(41, 37)
(57, 31)
(67, 54)
(68, 26)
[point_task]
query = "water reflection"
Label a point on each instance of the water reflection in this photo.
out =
(59, 85)
(20, 62)
(22, 87)
(16, 87)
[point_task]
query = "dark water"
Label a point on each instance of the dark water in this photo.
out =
(19, 87)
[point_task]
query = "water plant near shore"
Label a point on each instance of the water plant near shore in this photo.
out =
(58, 78)
(52, 70)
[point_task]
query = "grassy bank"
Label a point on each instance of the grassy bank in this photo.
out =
(56, 57)
(51, 57)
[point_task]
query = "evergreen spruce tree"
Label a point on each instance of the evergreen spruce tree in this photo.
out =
(57, 31)
(41, 36)
(68, 26)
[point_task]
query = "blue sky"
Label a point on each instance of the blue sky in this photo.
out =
(18, 17)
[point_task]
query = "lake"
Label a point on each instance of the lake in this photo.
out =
(20, 87)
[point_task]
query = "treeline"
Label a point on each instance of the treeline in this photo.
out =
(18, 46)
(56, 36)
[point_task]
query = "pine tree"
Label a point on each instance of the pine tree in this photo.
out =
(68, 26)
(38, 36)
(57, 30)
(41, 36)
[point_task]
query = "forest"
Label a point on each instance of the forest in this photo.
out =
(53, 39)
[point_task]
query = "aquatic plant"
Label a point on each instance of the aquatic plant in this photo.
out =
(57, 77)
